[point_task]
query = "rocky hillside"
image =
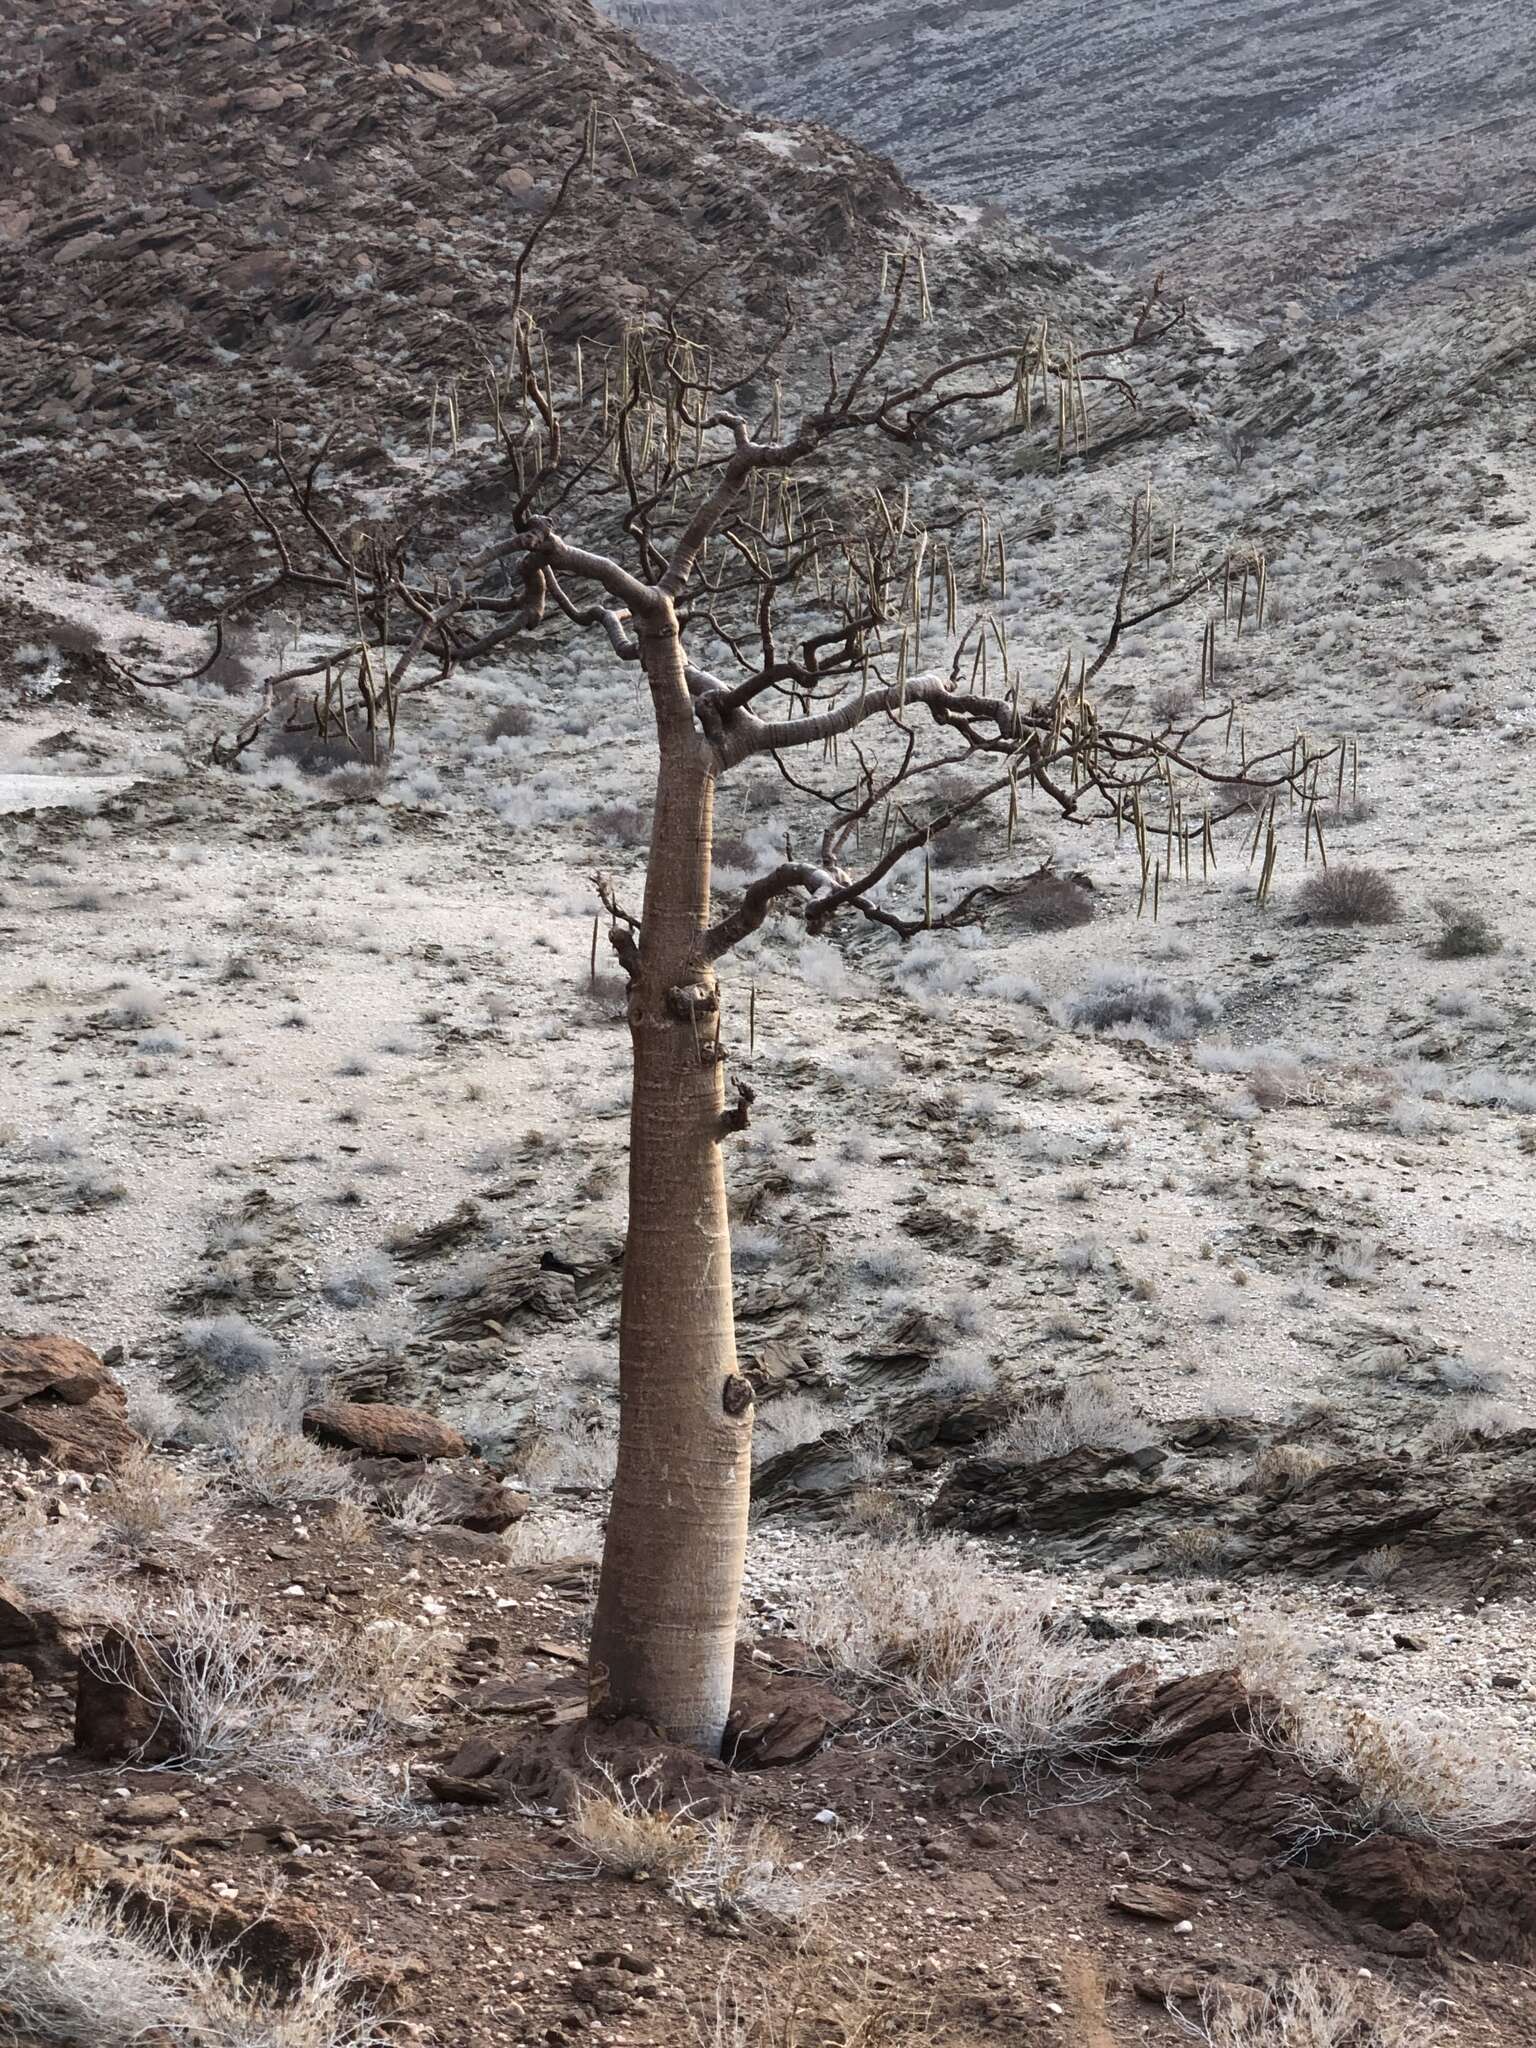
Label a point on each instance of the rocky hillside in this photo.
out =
(307, 212)
(1313, 154)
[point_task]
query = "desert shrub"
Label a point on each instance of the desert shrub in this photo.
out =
(511, 722)
(1465, 932)
(575, 1452)
(1306, 2008)
(356, 1282)
(1470, 1416)
(734, 851)
(1487, 1088)
(746, 1873)
(1412, 1777)
(737, 1870)
(78, 1970)
(138, 1005)
(551, 1533)
(58, 1563)
(150, 1496)
(153, 1410)
(1127, 998)
(626, 1827)
(1047, 902)
(889, 1265)
(791, 1419)
(960, 1656)
(260, 1428)
(1172, 704)
(1355, 1261)
(314, 753)
(958, 1377)
(1090, 1411)
(309, 1707)
(229, 1344)
(1280, 1467)
(1348, 894)
(92, 1187)
(966, 843)
(620, 824)
(232, 668)
(356, 780)
(74, 636)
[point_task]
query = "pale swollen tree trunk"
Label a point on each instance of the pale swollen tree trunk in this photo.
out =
(664, 1638)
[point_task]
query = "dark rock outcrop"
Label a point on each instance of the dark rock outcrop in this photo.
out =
(378, 1429)
(1433, 1516)
(60, 1406)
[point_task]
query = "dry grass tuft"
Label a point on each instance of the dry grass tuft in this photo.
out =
(306, 1706)
(745, 1872)
(1416, 1778)
(739, 1871)
(573, 1453)
(57, 1563)
(626, 1828)
(1090, 1411)
(817, 2007)
(271, 1460)
(150, 1497)
(964, 1657)
(75, 1970)
(1310, 2008)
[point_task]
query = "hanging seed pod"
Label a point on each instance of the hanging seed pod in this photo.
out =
(1258, 833)
(1271, 854)
(924, 304)
(751, 1019)
(592, 981)
(1013, 804)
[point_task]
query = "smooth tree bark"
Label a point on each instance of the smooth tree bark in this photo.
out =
(663, 1642)
(720, 541)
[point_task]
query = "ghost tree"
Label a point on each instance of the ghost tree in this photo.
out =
(778, 610)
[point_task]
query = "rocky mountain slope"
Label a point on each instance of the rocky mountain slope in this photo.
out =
(305, 213)
(1306, 155)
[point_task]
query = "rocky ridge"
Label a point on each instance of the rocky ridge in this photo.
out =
(1304, 157)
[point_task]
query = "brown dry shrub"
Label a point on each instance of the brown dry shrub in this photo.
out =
(1048, 902)
(1348, 894)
